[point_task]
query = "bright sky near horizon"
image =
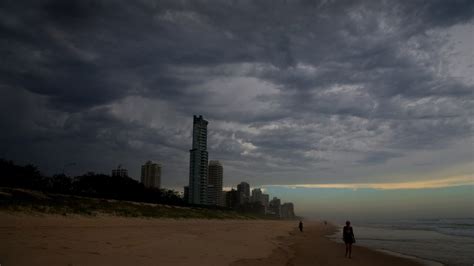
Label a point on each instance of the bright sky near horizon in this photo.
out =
(308, 99)
(366, 204)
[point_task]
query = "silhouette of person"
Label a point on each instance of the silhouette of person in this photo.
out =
(348, 237)
(300, 226)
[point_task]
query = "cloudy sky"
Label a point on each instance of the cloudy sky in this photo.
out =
(300, 95)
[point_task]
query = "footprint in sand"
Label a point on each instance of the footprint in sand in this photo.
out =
(94, 253)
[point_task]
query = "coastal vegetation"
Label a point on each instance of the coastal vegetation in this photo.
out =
(26, 189)
(37, 202)
(88, 185)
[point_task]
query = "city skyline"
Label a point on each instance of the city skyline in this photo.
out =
(214, 193)
(309, 100)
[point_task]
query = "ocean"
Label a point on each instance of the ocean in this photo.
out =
(434, 241)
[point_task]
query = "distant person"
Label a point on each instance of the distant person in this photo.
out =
(300, 226)
(348, 237)
(325, 223)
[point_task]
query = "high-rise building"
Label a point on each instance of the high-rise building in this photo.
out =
(244, 192)
(151, 175)
(214, 183)
(265, 200)
(223, 198)
(256, 195)
(274, 207)
(120, 172)
(287, 210)
(258, 201)
(232, 198)
(198, 177)
(259, 196)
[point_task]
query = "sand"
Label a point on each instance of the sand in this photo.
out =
(58, 240)
(311, 247)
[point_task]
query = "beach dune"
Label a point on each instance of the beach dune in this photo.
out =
(58, 240)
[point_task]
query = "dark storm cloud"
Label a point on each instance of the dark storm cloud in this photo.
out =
(444, 13)
(288, 86)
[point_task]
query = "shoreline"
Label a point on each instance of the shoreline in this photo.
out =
(57, 240)
(423, 261)
(393, 252)
(313, 247)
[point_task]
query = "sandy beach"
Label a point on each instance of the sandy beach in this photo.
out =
(312, 248)
(58, 240)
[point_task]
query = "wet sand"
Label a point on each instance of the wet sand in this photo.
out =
(58, 240)
(311, 247)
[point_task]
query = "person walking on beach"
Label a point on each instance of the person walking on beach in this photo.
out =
(300, 226)
(348, 237)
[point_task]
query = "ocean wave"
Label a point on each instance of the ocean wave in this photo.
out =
(452, 226)
(438, 240)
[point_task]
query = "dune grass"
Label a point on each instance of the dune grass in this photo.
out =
(35, 202)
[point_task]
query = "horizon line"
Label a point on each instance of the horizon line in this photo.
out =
(424, 184)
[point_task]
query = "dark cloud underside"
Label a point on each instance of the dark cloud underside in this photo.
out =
(292, 89)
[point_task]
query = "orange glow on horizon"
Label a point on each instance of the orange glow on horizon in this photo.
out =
(424, 184)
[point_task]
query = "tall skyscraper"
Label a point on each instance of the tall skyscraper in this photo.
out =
(198, 163)
(214, 186)
(151, 175)
(244, 192)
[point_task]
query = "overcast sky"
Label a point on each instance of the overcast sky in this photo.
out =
(295, 92)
